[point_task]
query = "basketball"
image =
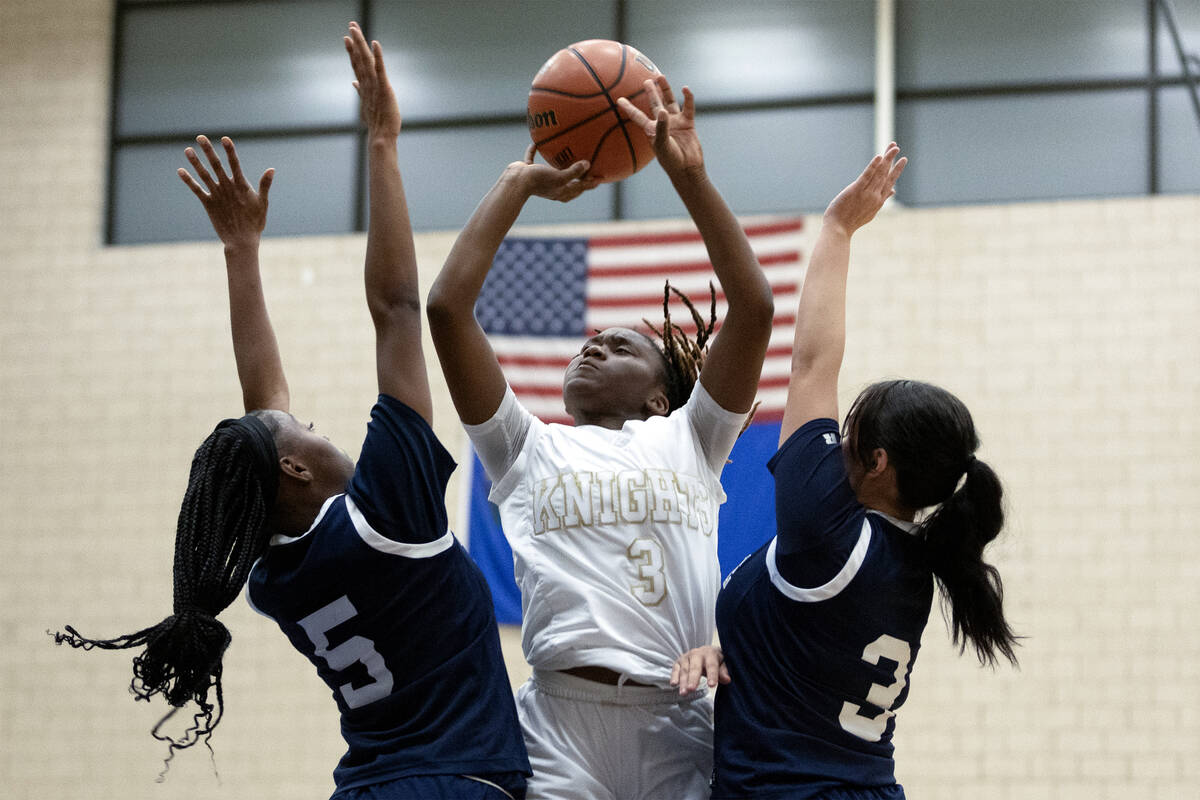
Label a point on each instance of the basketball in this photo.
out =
(573, 112)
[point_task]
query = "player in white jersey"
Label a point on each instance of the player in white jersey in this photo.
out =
(613, 521)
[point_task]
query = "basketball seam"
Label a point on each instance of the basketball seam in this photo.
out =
(594, 117)
(612, 105)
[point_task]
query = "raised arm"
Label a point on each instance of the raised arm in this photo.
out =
(820, 338)
(390, 273)
(734, 362)
(238, 214)
(468, 361)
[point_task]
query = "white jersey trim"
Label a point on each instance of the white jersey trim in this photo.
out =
(495, 786)
(905, 525)
(833, 586)
(377, 541)
(279, 538)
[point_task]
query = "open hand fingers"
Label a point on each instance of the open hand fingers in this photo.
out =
(897, 169)
(697, 664)
(264, 184)
(666, 94)
(190, 182)
(235, 166)
(213, 158)
(689, 103)
(362, 57)
(530, 152)
(635, 114)
(662, 129)
(575, 182)
(380, 71)
(714, 666)
(194, 160)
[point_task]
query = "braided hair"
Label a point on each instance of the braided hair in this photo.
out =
(221, 531)
(683, 356)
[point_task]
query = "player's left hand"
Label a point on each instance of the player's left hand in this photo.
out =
(672, 127)
(379, 110)
(544, 180)
(702, 662)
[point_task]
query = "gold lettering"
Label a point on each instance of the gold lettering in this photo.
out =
(577, 499)
(666, 495)
(632, 503)
(603, 488)
(545, 514)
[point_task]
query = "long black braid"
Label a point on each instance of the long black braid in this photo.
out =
(220, 532)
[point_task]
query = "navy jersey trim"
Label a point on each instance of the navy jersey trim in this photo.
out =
(377, 541)
(830, 588)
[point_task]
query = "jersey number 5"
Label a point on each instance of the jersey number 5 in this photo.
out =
(872, 728)
(356, 649)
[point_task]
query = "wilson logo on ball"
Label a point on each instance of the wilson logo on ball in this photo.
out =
(542, 120)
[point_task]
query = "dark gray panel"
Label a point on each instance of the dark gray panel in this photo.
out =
(1023, 148)
(446, 172)
(963, 42)
(455, 58)
(1178, 143)
(759, 50)
(241, 65)
(767, 161)
(313, 190)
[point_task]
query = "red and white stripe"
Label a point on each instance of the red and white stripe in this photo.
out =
(625, 286)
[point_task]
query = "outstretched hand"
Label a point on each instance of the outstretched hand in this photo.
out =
(378, 107)
(858, 203)
(237, 212)
(543, 180)
(701, 662)
(672, 128)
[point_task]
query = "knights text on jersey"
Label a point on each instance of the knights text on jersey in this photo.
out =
(614, 536)
(820, 661)
(396, 617)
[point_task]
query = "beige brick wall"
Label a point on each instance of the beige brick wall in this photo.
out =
(1069, 328)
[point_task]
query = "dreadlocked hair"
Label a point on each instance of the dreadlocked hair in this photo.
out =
(220, 532)
(683, 356)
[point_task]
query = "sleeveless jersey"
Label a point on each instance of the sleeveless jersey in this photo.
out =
(396, 617)
(614, 535)
(820, 628)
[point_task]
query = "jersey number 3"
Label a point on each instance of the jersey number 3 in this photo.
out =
(872, 728)
(651, 586)
(356, 649)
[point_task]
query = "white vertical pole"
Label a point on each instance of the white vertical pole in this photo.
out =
(885, 73)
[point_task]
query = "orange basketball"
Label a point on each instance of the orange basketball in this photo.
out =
(573, 111)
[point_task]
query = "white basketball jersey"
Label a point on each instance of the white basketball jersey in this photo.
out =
(614, 534)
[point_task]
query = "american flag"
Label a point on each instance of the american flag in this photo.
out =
(544, 296)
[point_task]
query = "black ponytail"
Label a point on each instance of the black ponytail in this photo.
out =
(221, 530)
(974, 594)
(930, 440)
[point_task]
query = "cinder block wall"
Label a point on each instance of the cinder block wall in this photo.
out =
(1070, 329)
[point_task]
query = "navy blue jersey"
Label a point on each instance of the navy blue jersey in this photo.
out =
(396, 617)
(820, 628)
